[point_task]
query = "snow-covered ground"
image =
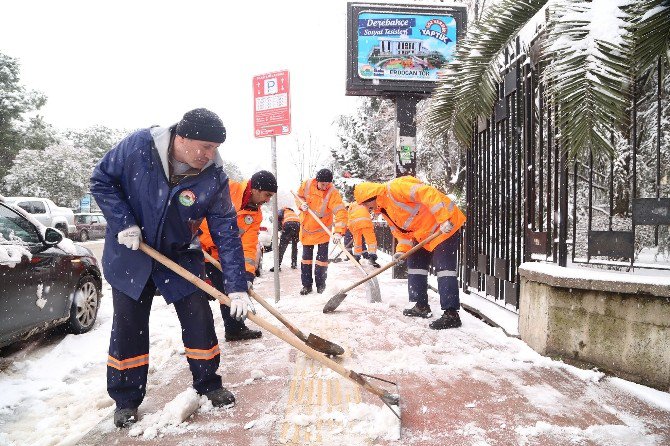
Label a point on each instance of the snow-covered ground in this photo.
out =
(54, 393)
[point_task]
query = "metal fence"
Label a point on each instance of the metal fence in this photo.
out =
(527, 201)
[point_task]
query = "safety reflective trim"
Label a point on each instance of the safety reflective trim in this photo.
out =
(434, 228)
(451, 206)
(203, 355)
(320, 229)
(359, 219)
(404, 206)
(320, 263)
(136, 361)
(291, 218)
(405, 242)
(418, 272)
(447, 273)
(413, 190)
(251, 262)
(306, 262)
(358, 250)
(437, 207)
(337, 208)
(324, 205)
(339, 224)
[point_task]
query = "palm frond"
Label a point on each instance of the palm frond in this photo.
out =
(589, 72)
(469, 86)
(650, 32)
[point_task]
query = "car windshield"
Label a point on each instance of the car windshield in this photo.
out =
(14, 229)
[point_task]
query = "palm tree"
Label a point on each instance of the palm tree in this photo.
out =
(593, 52)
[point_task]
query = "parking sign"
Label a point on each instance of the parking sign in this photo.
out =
(272, 105)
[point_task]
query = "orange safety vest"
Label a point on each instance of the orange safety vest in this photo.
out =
(414, 210)
(289, 215)
(249, 223)
(325, 204)
(359, 217)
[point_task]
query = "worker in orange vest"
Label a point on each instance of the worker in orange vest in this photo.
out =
(361, 227)
(414, 211)
(325, 201)
(247, 197)
(289, 222)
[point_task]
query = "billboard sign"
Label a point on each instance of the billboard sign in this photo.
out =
(404, 46)
(400, 48)
(272, 104)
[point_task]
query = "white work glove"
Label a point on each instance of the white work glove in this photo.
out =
(238, 305)
(337, 238)
(446, 227)
(304, 207)
(250, 285)
(396, 257)
(131, 237)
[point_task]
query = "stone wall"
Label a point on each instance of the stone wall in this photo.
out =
(617, 322)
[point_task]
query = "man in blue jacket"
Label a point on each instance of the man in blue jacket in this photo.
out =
(156, 186)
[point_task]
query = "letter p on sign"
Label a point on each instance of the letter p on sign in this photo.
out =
(270, 86)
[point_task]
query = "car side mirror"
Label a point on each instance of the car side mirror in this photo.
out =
(52, 237)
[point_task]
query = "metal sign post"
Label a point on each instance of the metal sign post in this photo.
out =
(272, 116)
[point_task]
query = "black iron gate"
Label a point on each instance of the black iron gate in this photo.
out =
(527, 201)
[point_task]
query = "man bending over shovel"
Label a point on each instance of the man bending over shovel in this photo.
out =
(247, 197)
(414, 211)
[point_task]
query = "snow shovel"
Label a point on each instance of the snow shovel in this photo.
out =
(374, 284)
(337, 299)
(337, 259)
(391, 400)
(314, 341)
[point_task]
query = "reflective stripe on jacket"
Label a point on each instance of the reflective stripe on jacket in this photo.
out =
(248, 222)
(414, 210)
(325, 204)
(359, 217)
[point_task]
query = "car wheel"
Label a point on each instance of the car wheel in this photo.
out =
(83, 236)
(85, 306)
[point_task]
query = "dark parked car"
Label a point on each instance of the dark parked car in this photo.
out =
(42, 285)
(89, 225)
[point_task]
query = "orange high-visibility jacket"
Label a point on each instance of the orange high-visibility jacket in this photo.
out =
(249, 223)
(289, 215)
(325, 204)
(359, 218)
(414, 210)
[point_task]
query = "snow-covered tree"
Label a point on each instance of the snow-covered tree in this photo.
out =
(98, 139)
(15, 102)
(60, 172)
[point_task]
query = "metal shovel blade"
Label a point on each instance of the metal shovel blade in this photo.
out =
(334, 302)
(323, 345)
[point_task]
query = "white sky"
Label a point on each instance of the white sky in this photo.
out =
(132, 64)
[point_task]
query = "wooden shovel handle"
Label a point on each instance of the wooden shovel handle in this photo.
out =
(393, 262)
(330, 234)
(209, 289)
(263, 302)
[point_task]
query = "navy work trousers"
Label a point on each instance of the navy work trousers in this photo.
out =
(444, 258)
(289, 235)
(128, 361)
(320, 269)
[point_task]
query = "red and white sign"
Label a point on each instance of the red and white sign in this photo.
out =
(272, 104)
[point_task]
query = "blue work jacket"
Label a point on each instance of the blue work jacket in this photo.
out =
(130, 184)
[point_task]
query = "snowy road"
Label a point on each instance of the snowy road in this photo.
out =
(470, 386)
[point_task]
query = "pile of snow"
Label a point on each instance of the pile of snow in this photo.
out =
(11, 255)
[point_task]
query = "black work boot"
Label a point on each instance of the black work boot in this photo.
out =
(294, 266)
(125, 417)
(449, 319)
(306, 290)
(272, 270)
(242, 334)
(320, 288)
(221, 397)
(418, 311)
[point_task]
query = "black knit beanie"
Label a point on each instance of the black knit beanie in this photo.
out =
(324, 176)
(264, 180)
(203, 125)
